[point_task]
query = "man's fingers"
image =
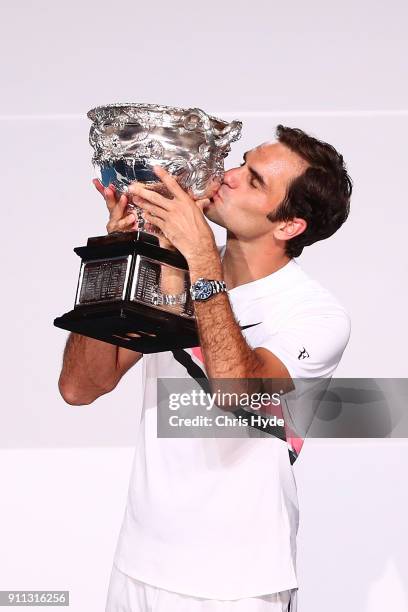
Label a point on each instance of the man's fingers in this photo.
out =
(116, 209)
(154, 211)
(170, 181)
(146, 197)
(102, 189)
(122, 225)
(108, 193)
(111, 189)
(99, 186)
(202, 203)
(120, 220)
(151, 218)
(127, 223)
(139, 193)
(110, 199)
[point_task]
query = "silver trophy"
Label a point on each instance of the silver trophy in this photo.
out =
(132, 292)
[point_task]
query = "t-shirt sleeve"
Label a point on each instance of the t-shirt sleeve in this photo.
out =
(309, 345)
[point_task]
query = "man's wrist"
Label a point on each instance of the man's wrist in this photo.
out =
(206, 266)
(206, 269)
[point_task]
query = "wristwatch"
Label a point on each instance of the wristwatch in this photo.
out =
(203, 289)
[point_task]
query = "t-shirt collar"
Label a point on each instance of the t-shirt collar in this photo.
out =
(283, 278)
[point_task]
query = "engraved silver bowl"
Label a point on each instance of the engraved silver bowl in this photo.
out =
(129, 139)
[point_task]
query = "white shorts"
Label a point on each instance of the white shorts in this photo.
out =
(126, 594)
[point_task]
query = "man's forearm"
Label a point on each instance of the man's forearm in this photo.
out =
(89, 369)
(225, 350)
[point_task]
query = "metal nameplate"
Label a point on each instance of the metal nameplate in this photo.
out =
(153, 280)
(103, 280)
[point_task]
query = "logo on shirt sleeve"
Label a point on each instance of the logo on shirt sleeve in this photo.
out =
(303, 354)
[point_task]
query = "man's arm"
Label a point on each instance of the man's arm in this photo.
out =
(232, 366)
(225, 350)
(92, 368)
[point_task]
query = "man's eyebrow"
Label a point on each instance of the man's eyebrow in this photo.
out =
(255, 174)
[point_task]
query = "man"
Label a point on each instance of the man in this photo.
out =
(211, 523)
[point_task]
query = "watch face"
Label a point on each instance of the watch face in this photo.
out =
(202, 290)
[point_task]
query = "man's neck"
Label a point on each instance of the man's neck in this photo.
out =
(244, 262)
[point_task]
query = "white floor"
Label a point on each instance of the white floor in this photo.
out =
(61, 511)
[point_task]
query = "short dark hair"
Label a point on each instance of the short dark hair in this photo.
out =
(320, 195)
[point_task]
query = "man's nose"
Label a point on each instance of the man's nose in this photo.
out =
(231, 177)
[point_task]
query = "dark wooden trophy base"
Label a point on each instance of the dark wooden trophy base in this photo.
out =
(114, 302)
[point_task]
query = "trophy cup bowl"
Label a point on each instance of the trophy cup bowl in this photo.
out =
(132, 292)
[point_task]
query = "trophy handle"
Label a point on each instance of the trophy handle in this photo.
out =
(230, 133)
(191, 123)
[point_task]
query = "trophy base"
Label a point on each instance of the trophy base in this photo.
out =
(134, 294)
(132, 326)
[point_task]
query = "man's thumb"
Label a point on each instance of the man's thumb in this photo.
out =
(202, 203)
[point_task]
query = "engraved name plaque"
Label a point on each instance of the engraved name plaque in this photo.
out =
(103, 280)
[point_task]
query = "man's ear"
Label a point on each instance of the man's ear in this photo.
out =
(286, 230)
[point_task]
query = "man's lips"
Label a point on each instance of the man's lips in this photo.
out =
(217, 194)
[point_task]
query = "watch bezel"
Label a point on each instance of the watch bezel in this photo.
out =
(215, 288)
(195, 292)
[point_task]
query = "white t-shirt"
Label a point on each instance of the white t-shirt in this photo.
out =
(217, 517)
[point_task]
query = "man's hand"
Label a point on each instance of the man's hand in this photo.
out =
(120, 219)
(181, 218)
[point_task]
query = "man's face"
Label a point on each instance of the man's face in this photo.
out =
(256, 188)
